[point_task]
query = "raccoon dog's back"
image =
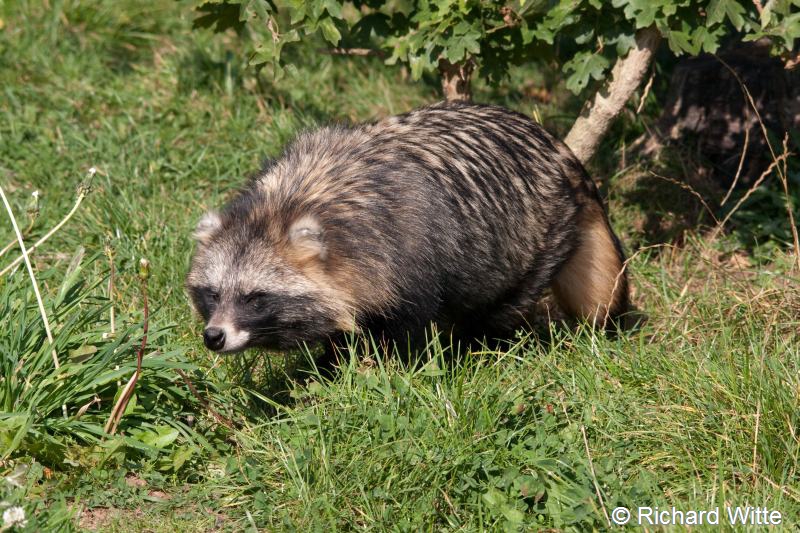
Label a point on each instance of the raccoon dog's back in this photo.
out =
(456, 213)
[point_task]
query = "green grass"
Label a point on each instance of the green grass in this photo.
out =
(699, 408)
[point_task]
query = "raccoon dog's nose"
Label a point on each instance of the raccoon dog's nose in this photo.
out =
(214, 338)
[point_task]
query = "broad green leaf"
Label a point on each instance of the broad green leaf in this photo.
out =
(560, 16)
(623, 43)
(334, 8)
(159, 436)
(297, 11)
(582, 67)
(418, 66)
(180, 455)
(707, 40)
(83, 353)
(329, 31)
(12, 431)
(515, 516)
(715, 12)
(680, 42)
(766, 16)
(261, 9)
(644, 12)
(736, 14)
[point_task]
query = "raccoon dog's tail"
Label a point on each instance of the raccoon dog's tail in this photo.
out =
(593, 284)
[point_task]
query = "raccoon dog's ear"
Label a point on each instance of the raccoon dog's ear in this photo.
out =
(209, 224)
(306, 238)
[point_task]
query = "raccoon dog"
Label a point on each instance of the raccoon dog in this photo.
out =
(456, 213)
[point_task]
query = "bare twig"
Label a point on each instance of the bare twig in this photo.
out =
(755, 438)
(109, 251)
(361, 52)
(594, 476)
(786, 490)
(739, 168)
(690, 189)
(272, 26)
(645, 92)
(33, 213)
(85, 407)
(127, 392)
(11, 244)
(752, 104)
(789, 206)
(775, 163)
(34, 284)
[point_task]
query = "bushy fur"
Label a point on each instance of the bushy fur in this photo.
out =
(455, 213)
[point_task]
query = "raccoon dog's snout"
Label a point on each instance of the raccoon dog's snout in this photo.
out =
(458, 214)
(214, 338)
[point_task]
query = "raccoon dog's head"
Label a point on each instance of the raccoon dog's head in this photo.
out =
(258, 278)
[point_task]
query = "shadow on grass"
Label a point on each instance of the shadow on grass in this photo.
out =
(663, 209)
(272, 377)
(657, 208)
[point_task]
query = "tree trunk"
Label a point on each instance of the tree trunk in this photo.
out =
(626, 76)
(456, 79)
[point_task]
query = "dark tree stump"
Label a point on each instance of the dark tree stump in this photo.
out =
(707, 110)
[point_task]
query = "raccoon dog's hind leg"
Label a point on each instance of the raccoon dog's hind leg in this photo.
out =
(593, 285)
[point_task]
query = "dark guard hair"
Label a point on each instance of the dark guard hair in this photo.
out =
(457, 213)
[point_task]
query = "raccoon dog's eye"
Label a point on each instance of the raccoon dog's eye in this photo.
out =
(256, 299)
(205, 300)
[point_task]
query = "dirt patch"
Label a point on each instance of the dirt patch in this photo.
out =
(100, 518)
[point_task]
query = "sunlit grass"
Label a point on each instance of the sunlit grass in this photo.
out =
(697, 408)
